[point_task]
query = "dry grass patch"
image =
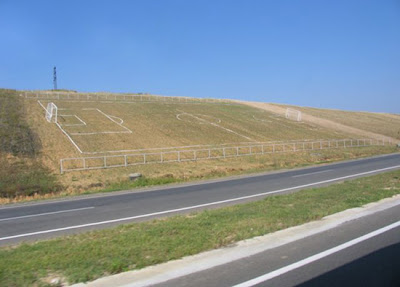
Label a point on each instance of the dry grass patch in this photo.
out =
(380, 123)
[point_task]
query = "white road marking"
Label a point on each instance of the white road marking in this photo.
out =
(316, 257)
(317, 172)
(46, 213)
(195, 206)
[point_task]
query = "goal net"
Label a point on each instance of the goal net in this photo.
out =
(293, 114)
(51, 113)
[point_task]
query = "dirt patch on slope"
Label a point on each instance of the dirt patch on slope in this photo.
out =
(319, 121)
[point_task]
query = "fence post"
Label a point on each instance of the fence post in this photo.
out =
(84, 163)
(237, 151)
(126, 161)
(195, 155)
(273, 148)
(161, 157)
(262, 149)
(61, 166)
(179, 156)
(105, 161)
(223, 151)
(144, 158)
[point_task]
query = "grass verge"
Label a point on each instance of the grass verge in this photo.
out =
(95, 254)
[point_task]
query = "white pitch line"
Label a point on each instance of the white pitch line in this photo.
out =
(69, 137)
(64, 132)
(42, 105)
(178, 117)
(121, 120)
(99, 133)
(195, 206)
(72, 125)
(216, 125)
(317, 172)
(46, 213)
(109, 117)
(316, 257)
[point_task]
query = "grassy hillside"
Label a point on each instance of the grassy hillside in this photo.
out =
(100, 126)
(381, 123)
(31, 148)
(158, 125)
(21, 172)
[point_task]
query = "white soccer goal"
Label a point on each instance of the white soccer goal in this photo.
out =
(51, 112)
(292, 114)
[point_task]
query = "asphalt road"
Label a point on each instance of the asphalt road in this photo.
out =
(361, 252)
(29, 222)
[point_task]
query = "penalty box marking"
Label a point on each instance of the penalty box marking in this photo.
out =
(178, 116)
(127, 131)
(70, 125)
(216, 125)
(69, 135)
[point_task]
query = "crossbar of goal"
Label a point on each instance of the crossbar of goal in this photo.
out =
(51, 113)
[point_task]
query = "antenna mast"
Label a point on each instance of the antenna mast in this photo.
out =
(55, 78)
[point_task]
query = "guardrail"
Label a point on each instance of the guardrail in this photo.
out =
(115, 97)
(112, 161)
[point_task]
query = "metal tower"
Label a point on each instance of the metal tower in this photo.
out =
(55, 78)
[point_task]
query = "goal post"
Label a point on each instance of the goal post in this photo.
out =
(293, 114)
(51, 113)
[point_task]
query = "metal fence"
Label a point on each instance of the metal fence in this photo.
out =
(115, 97)
(111, 161)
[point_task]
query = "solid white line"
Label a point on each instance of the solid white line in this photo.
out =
(305, 174)
(69, 137)
(98, 133)
(80, 119)
(42, 105)
(195, 206)
(316, 257)
(216, 125)
(107, 116)
(46, 213)
(64, 132)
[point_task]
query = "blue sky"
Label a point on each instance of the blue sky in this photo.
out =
(332, 54)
